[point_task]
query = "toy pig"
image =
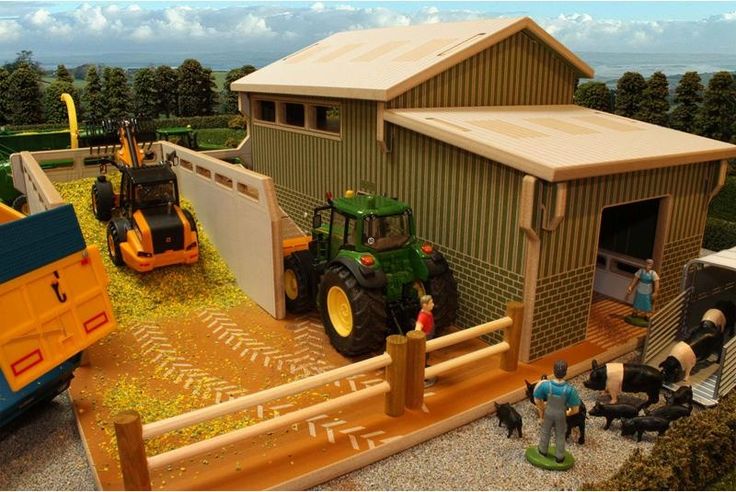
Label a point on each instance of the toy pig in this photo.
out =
(670, 412)
(613, 411)
(508, 416)
(705, 340)
(615, 378)
(640, 425)
(683, 396)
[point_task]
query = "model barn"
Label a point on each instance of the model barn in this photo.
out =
(529, 196)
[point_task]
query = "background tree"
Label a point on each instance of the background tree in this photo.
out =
(24, 58)
(116, 92)
(717, 115)
(167, 90)
(654, 104)
(230, 98)
(629, 92)
(54, 107)
(24, 96)
(63, 75)
(144, 94)
(196, 89)
(92, 99)
(594, 95)
(688, 96)
(4, 79)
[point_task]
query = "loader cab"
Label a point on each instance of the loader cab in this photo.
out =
(148, 187)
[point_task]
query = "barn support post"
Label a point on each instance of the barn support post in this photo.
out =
(512, 336)
(132, 451)
(415, 354)
(395, 398)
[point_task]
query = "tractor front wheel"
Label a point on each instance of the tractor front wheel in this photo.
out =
(103, 199)
(354, 317)
(444, 294)
(117, 232)
(296, 282)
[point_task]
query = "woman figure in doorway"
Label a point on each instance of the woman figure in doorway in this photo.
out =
(646, 282)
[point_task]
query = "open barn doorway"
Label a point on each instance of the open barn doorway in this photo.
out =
(629, 234)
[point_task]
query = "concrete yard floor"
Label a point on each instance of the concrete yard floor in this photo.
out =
(164, 369)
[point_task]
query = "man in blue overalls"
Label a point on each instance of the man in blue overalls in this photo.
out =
(555, 400)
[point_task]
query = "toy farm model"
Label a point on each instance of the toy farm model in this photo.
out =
(479, 227)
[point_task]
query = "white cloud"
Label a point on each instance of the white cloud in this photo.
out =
(10, 30)
(269, 30)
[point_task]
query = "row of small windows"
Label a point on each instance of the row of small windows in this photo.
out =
(299, 115)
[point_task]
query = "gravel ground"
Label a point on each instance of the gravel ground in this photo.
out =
(44, 452)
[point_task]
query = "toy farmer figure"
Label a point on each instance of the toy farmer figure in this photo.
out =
(646, 282)
(425, 323)
(555, 400)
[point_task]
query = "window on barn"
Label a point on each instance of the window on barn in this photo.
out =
(267, 111)
(294, 114)
(327, 118)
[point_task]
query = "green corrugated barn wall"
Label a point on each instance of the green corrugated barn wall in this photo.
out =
(568, 254)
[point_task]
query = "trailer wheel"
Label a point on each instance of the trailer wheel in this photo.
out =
(354, 317)
(103, 199)
(443, 289)
(296, 282)
(117, 231)
(20, 204)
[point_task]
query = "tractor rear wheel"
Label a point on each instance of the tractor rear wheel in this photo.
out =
(296, 282)
(103, 198)
(443, 289)
(354, 317)
(117, 232)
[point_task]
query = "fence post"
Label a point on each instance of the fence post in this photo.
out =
(396, 376)
(415, 351)
(133, 462)
(512, 335)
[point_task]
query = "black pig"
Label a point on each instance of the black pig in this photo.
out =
(630, 378)
(670, 412)
(614, 411)
(508, 416)
(640, 425)
(683, 396)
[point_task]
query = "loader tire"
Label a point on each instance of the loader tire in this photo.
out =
(354, 317)
(117, 231)
(103, 199)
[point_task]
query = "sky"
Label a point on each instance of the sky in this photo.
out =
(234, 33)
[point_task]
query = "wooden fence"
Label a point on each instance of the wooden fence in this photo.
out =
(402, 388)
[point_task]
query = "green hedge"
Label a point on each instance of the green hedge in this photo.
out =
(723, 205)
(215, 121)
(694, 453)
(719, 234)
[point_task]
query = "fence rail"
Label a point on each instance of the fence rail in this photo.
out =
(402, 388)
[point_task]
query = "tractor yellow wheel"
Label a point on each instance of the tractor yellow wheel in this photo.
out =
(338, 307)
(111, 245)
(291, 285)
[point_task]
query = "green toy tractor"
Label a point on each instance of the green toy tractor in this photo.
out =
(365, 270)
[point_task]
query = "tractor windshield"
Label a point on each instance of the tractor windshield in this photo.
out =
(152, 195)
(384, 233)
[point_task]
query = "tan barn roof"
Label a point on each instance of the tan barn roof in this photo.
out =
(559, 143)
(380, 64)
